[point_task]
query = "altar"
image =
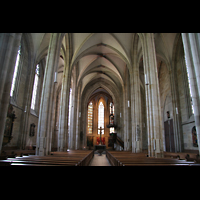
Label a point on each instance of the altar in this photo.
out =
(99, 147)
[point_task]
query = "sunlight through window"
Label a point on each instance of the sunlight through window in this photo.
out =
(101, 117)
(90, 115)
(15, 73)
(35, 88)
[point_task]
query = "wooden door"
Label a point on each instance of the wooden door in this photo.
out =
(169, 136)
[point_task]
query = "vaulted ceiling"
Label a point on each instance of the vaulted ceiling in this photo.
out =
(103, 57)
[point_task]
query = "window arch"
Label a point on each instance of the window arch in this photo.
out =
(90, 117)
(15, 72)
(35, 86)
(101, 117)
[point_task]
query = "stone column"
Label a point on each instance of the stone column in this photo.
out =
(9, 45)
(135, 86)
(154, 126)
(44, 123)
(132, 81)
(74, 109)
(78, 118)
(191, 48)
(64, 108)
(176, 118)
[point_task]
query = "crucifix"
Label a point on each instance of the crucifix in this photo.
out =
(100, 134)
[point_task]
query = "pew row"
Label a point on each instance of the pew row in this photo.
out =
(139, 159)
(71, 158)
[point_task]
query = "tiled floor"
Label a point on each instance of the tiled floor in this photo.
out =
(99, 160)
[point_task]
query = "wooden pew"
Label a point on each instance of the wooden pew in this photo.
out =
(5, 163)
(131, 159)
(72, 158)
(171, 155)
(184, 156)
(3, 157)
(18, 152)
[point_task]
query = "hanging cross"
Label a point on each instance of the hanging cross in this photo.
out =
(100, 134)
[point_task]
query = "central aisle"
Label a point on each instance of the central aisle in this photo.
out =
(99, 160)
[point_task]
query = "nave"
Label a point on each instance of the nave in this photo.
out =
(99, 160)
(58, 90)
(92, 158)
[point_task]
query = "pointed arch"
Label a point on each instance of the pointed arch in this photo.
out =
(101, 112)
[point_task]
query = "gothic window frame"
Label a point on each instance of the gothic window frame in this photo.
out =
(90, 118)
(35, 88)
(99, 119)
(16, 76)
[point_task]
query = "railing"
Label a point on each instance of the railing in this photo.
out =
(120, 142)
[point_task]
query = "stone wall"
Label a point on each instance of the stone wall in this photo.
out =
(187, 118)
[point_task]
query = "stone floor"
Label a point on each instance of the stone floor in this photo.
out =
(99, 160)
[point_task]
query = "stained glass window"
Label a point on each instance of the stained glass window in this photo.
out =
(90, 115)
(101, 117)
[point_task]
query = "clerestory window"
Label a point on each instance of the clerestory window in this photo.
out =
(35, 86)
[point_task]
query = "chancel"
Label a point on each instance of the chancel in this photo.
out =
(100, 147)
(65, 95)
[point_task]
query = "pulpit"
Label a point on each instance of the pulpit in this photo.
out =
(112, 140)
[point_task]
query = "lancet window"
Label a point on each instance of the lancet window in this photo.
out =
(90, 116)
(35, 87)
(101, 117)
(15, 72)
